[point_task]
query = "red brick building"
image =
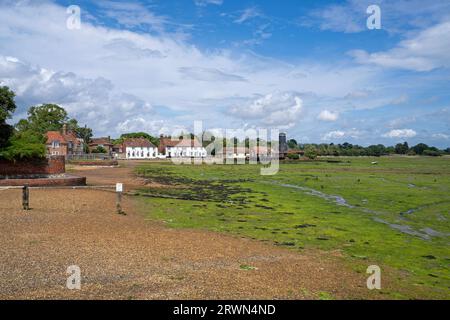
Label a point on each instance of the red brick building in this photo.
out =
(104, 142)
(63, 143)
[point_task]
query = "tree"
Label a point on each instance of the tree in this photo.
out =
(24, 145)
(99, 149)
(432, 152)
(7, 107)
(376, 150)
(402, 148)
(292, 144)
(310, 152)
(144, 135)
(43, 118)
(419, 148)
(84, 133)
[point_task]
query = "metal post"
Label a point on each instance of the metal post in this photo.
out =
(25, 198)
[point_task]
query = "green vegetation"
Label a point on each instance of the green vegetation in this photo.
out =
(7, 107)
(348, 149)
(24, 145)
(144, 135)
(14, 144)
(99, 149)
(393, 212)
(27, 139)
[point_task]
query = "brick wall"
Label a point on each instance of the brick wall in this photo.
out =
(65, 181)
(52, 165)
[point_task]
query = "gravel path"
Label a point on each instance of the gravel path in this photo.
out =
(128, 257)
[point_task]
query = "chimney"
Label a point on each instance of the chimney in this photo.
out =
(64, 129)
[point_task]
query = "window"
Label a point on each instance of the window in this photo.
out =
(55, 144)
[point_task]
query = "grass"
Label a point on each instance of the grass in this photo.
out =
(394, 214)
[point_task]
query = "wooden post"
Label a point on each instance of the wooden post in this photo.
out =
(119, 189)
(26, 198)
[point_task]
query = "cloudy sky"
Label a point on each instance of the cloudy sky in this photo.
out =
(310, 68)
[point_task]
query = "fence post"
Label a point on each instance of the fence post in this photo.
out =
(26, 198)
(119, 190)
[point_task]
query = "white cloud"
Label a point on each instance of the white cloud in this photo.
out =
(92, 101)
(400, 133)
(208, 74)
(396, 16)
(428, 50)
(339, 134)
(116, 79)
(400, 100)
(248, 14)
(131, 14)
(334, 135)
(203, 3)
(279, 109)
(440, 136)
(336, 18)
(326, 115)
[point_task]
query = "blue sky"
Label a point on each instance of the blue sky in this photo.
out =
(310, 68)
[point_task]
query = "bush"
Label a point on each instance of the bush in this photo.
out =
(432, 153)
(310, 152)
(24, 145)
(293, 156)
(99, 149)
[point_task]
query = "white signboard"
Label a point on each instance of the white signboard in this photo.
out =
(119, 187)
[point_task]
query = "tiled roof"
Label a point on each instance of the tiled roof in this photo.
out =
(55, 136)
(62, 138)
(138, 142)
(102, 140)
(169, 142)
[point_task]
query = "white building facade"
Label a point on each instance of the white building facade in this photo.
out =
(139, 148)
(190, 152)
(184, 148)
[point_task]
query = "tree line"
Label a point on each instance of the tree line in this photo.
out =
(348, 149)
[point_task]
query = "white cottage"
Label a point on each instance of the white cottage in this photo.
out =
(139, 148)
(184, 148)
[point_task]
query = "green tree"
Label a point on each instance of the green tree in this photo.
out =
(402, 148)
(420, 148)
(292, 144)
(7, 107)
(310, 152)
(144, 135)
(26, 144)
(43, 118)
(99, 149)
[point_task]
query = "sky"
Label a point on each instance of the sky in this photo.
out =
(312, 69)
